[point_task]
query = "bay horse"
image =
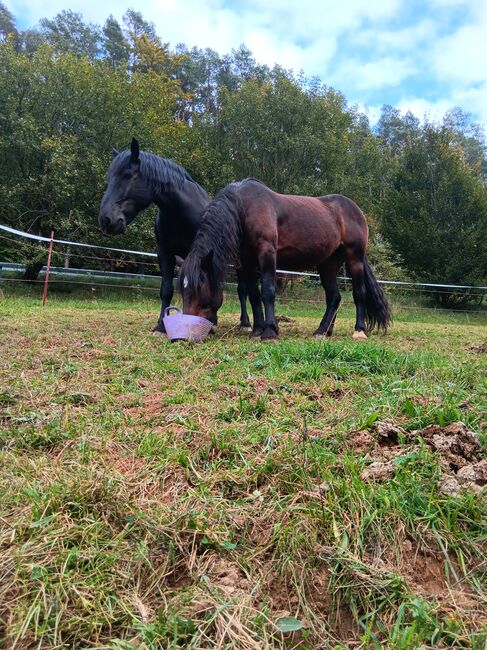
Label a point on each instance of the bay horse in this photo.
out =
(250, 225)
(135, 179)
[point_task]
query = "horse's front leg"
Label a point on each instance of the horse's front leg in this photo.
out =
(166, 264)
(267, 263)
(252, 284)
(242, 296)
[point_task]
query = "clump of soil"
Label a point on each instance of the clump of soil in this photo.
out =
(456, 443)
(472, 477)
(382, 435)
(480, 348)
(378, 471)
(458, 447)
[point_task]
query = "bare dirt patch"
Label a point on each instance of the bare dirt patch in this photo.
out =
(426, 573)
(226, 575)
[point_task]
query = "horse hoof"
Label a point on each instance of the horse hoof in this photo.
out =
(158, 333)
(321, 335)
(359, 335)
(268, 335)
(256, 333)
(245, 328)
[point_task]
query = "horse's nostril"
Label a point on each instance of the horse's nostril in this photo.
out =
(105, 223)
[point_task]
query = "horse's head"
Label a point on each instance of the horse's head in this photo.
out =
(127, 192)
(202, 295)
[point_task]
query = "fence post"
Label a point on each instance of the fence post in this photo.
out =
(48, 268)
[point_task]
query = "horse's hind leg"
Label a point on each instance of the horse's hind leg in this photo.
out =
(328, 275)
(355, 265)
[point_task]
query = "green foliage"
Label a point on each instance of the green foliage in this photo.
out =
(7, 23)
(292, 137)
(67, 32)
(115, 45)
(435, 212)
(61, 114)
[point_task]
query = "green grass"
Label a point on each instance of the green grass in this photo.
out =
(157, 495)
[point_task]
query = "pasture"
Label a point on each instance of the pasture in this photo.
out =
(238, 494)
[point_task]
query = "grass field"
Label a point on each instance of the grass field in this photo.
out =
(233, 494)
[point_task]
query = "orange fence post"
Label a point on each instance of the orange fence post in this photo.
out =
(48, 268)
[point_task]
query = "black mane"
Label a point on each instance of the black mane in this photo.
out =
(220, 233)
(159, 172)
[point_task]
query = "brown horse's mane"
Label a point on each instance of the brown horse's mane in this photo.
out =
(218, 237)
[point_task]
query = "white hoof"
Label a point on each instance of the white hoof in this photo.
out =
(359, 335)
(157, 333)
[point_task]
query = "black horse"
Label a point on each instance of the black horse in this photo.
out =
(135, 180)
(250, 225)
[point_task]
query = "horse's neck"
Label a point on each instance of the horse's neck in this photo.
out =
(188, 200)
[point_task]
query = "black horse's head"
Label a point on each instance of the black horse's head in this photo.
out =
(127, 193)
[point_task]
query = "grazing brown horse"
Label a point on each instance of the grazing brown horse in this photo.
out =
(250, 225)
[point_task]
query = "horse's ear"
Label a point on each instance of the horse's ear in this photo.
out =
(134, 151)
(207, 261)
(115, 152)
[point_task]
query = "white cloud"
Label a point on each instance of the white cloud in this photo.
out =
(462, 56)
(423, 108)
(472, 100)
(367, 76)
(397, 40)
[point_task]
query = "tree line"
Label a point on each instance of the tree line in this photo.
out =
(71, 90)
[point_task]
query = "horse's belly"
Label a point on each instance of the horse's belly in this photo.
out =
(305, 257)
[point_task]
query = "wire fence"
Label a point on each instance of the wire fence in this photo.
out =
(304, 289)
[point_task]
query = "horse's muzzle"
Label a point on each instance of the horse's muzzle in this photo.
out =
(110, 227)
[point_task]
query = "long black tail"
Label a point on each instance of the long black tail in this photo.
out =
(376, 305)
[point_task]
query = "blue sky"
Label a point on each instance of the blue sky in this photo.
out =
(424, 56)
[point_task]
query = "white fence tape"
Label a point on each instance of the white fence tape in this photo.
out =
(27, 235)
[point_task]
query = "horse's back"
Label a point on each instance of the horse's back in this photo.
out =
(305, 230)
